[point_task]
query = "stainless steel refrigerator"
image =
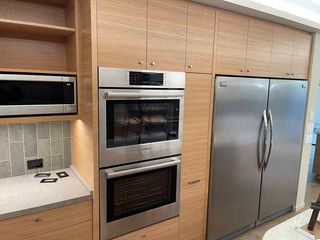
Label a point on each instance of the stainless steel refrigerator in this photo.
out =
(257, 140)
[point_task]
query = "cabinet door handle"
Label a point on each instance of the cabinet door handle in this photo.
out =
(248, 70)
(241, 70)
(140, 62)
(153, 64)
(288, 74)
(194, 181)
(190, 66)
(143, 236)
(293, 74)
(37, 219)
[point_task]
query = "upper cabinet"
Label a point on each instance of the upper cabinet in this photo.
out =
(259, 48)
(252, 47)
(122, 33)
(200, 38)
(167, 30)
(301, 55)
(142, 34)
(231, 43)
(282, 50)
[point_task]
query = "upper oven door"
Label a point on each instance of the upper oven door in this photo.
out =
(136, 125)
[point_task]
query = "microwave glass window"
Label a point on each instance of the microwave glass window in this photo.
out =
(131, 122)
(36, 93)
(140, 192)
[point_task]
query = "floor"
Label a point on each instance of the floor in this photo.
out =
(313, 190)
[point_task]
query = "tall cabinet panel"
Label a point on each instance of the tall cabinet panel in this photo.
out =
(200, 36)
(231, 45)
(282, 49)
(195, 156)
(167, 31)
(122, 33)
(301, 55)
(259, 48)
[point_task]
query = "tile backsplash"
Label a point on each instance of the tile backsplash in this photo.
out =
(19, 143)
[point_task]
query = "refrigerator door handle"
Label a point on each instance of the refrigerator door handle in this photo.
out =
(271, 139)
(265, 140)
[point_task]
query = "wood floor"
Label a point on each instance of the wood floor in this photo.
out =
(313, 189)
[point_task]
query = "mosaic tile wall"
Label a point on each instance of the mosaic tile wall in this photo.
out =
(22, 142)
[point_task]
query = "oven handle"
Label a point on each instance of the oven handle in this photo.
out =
(127, 172)
(111, 94)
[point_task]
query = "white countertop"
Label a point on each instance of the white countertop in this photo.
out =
(288, 229)
(25, 194)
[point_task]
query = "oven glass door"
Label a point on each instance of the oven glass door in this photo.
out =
(131, 122)
(137, 193)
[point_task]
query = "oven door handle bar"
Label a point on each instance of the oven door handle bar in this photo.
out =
(110, 174)
(111, 94)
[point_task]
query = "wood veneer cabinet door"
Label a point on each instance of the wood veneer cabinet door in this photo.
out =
(195, 156)
(200, 37)
(259, 48)
(167, 230)
(282, 51)
(231, 45)
(122, 33)
(167, 30)
(301, 55)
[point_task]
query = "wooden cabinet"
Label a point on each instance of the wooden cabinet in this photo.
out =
(42, 223)
(252, 47)
(200, 37)
(259, 48)
(231, 43)
(122, 33)
(167, 230)
(197, 121)
(282, 50)
(301, 55)
(167, 27)
(81, 231)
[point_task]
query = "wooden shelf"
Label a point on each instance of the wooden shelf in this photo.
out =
(18, 70)
(38, 29)
(22, 119)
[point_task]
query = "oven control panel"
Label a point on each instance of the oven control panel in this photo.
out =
(146, 78)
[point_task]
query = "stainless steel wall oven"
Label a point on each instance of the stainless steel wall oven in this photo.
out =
(140, 142)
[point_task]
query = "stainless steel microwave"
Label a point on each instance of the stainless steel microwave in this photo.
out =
(37, 95)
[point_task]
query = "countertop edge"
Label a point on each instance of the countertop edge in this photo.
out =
(50, 206)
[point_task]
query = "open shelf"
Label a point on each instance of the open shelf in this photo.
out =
(38, 29)
(35, 71)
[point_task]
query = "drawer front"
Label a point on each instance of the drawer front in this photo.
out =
(81, 231)
(167, 230)
(43, 222)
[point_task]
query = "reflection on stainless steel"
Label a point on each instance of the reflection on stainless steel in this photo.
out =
(253, 180)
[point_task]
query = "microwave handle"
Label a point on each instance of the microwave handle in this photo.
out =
(127, 172)
(110, 94)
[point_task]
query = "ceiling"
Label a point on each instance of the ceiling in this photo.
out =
(302, 14)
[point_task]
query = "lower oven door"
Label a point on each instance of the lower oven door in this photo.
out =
(138, 195)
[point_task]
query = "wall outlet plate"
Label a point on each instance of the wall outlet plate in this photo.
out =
(37, 163)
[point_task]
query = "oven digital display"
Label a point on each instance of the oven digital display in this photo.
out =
(146, 79)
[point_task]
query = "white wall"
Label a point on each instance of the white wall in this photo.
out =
(312, 105)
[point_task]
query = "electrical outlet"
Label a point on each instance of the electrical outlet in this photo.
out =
(37, 163)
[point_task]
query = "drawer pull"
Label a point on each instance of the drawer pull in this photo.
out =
(143, 236)
(194, 181)
(36, 219)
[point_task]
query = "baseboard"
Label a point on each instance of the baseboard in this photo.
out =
(298, 207)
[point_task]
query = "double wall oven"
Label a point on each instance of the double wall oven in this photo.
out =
(140, 144)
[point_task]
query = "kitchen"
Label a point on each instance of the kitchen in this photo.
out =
(142, 104)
